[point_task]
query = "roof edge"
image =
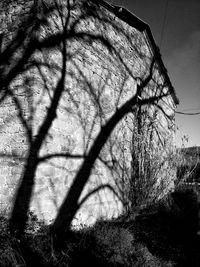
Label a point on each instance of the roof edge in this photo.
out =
(128, 17)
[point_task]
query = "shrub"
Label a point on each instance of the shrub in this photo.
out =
(169, 226)
(114, 243)
(8, 255)
(118, 245)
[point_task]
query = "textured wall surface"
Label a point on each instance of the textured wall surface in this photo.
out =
(13, 137)
(100, 77)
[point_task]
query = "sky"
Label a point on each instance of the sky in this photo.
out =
(175, 25)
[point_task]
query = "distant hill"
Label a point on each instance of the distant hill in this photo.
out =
(191, 164)
(193, 151)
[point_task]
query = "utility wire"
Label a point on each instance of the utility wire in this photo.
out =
(164, 22)
(187, 113)
(190, 109)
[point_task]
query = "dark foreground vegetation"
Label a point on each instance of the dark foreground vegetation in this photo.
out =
(163, 234)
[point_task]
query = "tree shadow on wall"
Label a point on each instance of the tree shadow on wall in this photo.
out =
(63, 74)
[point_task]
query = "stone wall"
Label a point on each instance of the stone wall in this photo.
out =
(106, 58)
(13, 14)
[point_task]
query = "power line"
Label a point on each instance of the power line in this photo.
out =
(187, 113)
(164, 22)
(190, 109)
